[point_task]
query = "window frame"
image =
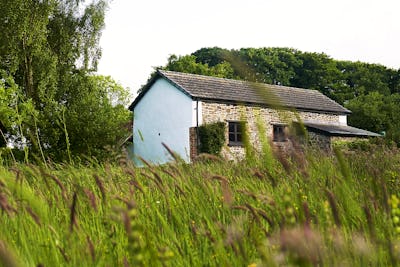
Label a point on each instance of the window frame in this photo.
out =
(279, 132)
(237, 131)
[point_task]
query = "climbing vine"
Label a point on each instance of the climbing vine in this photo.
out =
(212, 137)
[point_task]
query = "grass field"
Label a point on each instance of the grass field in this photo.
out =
(305, 209)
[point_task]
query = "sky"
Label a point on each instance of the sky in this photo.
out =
(140, 35)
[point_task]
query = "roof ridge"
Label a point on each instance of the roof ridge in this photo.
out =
(240, 81)
(204, 76)
(213, 88)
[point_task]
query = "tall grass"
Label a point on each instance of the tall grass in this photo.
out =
(312, 209)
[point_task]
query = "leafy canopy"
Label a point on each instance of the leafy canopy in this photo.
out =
(49, 51)
(369, 90)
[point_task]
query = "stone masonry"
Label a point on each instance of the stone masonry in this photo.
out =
(213, 112)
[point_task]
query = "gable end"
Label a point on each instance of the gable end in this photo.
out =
(146, 88)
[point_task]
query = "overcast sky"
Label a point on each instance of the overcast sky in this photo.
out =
(142, 34)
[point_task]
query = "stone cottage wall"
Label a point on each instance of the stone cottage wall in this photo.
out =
(320, 140)
(347, 139)
(213, 112)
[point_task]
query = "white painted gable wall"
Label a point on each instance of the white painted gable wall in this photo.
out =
(164, 114)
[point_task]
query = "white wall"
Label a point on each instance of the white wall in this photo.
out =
(343, 119)
(164, 114)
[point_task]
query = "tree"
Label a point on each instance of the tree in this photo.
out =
(14, 110)
(210, 56)
(188, 64)
(8, 91)
(378, 113)
(268, 65)
(369, 90)
(50, 49)
(97, 120)
(368, 112)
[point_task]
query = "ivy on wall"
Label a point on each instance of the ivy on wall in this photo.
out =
(212, 137)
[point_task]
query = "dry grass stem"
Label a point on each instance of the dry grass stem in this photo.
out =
(7, 257)
(5, 206)
(173, 154)
(34, 216)
(334, 207)
(73, 213)
(91, 248)
(91, 197)
(101, 187)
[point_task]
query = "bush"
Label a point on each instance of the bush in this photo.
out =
(212, 137)
(357, 144)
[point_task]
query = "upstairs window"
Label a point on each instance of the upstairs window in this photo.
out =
(235, 133)
(279, 133)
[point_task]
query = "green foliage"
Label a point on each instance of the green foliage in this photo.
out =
(210, 56)
(97, 120)
(8, 114)
(188, 64)
(369, 90)
(341, 80)
(369, 112)
(267, 65)
(395, 213)
(49, 52)
(212, 137)
(355, 145)
(207, 214)
(378, 113)
(15, 109)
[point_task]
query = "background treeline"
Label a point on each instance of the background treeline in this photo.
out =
(370, 91)
(52, 105)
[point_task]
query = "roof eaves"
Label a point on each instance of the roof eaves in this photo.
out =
(144, 91)
(336, 112)
(344, 133)
(178, 86)
(172, 81)
(159, 74)
(347, 134)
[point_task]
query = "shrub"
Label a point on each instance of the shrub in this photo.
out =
(212, 137)
(357, 144)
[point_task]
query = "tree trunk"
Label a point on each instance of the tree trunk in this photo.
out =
(29, 77)
(28, 70)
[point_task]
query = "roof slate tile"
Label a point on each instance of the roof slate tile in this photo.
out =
(335, 129)
(221, 89)
(213, 88)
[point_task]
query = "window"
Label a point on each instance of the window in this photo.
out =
(235, 133)
(279, 134)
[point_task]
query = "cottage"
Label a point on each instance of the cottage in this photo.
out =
(172, 105)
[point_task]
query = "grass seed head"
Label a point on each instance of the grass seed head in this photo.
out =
(91, 248)
(101, 187)
(34, 216)
(334, 207)
(5, 205)
(307, 214)
(59, 183)
(7, 257)
(73, 213)
(302, 246)
(173, 154)
(91, 197)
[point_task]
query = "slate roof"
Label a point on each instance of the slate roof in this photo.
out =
(201, 87)
(339, 130)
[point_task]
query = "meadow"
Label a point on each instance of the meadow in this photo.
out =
(306, 208)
